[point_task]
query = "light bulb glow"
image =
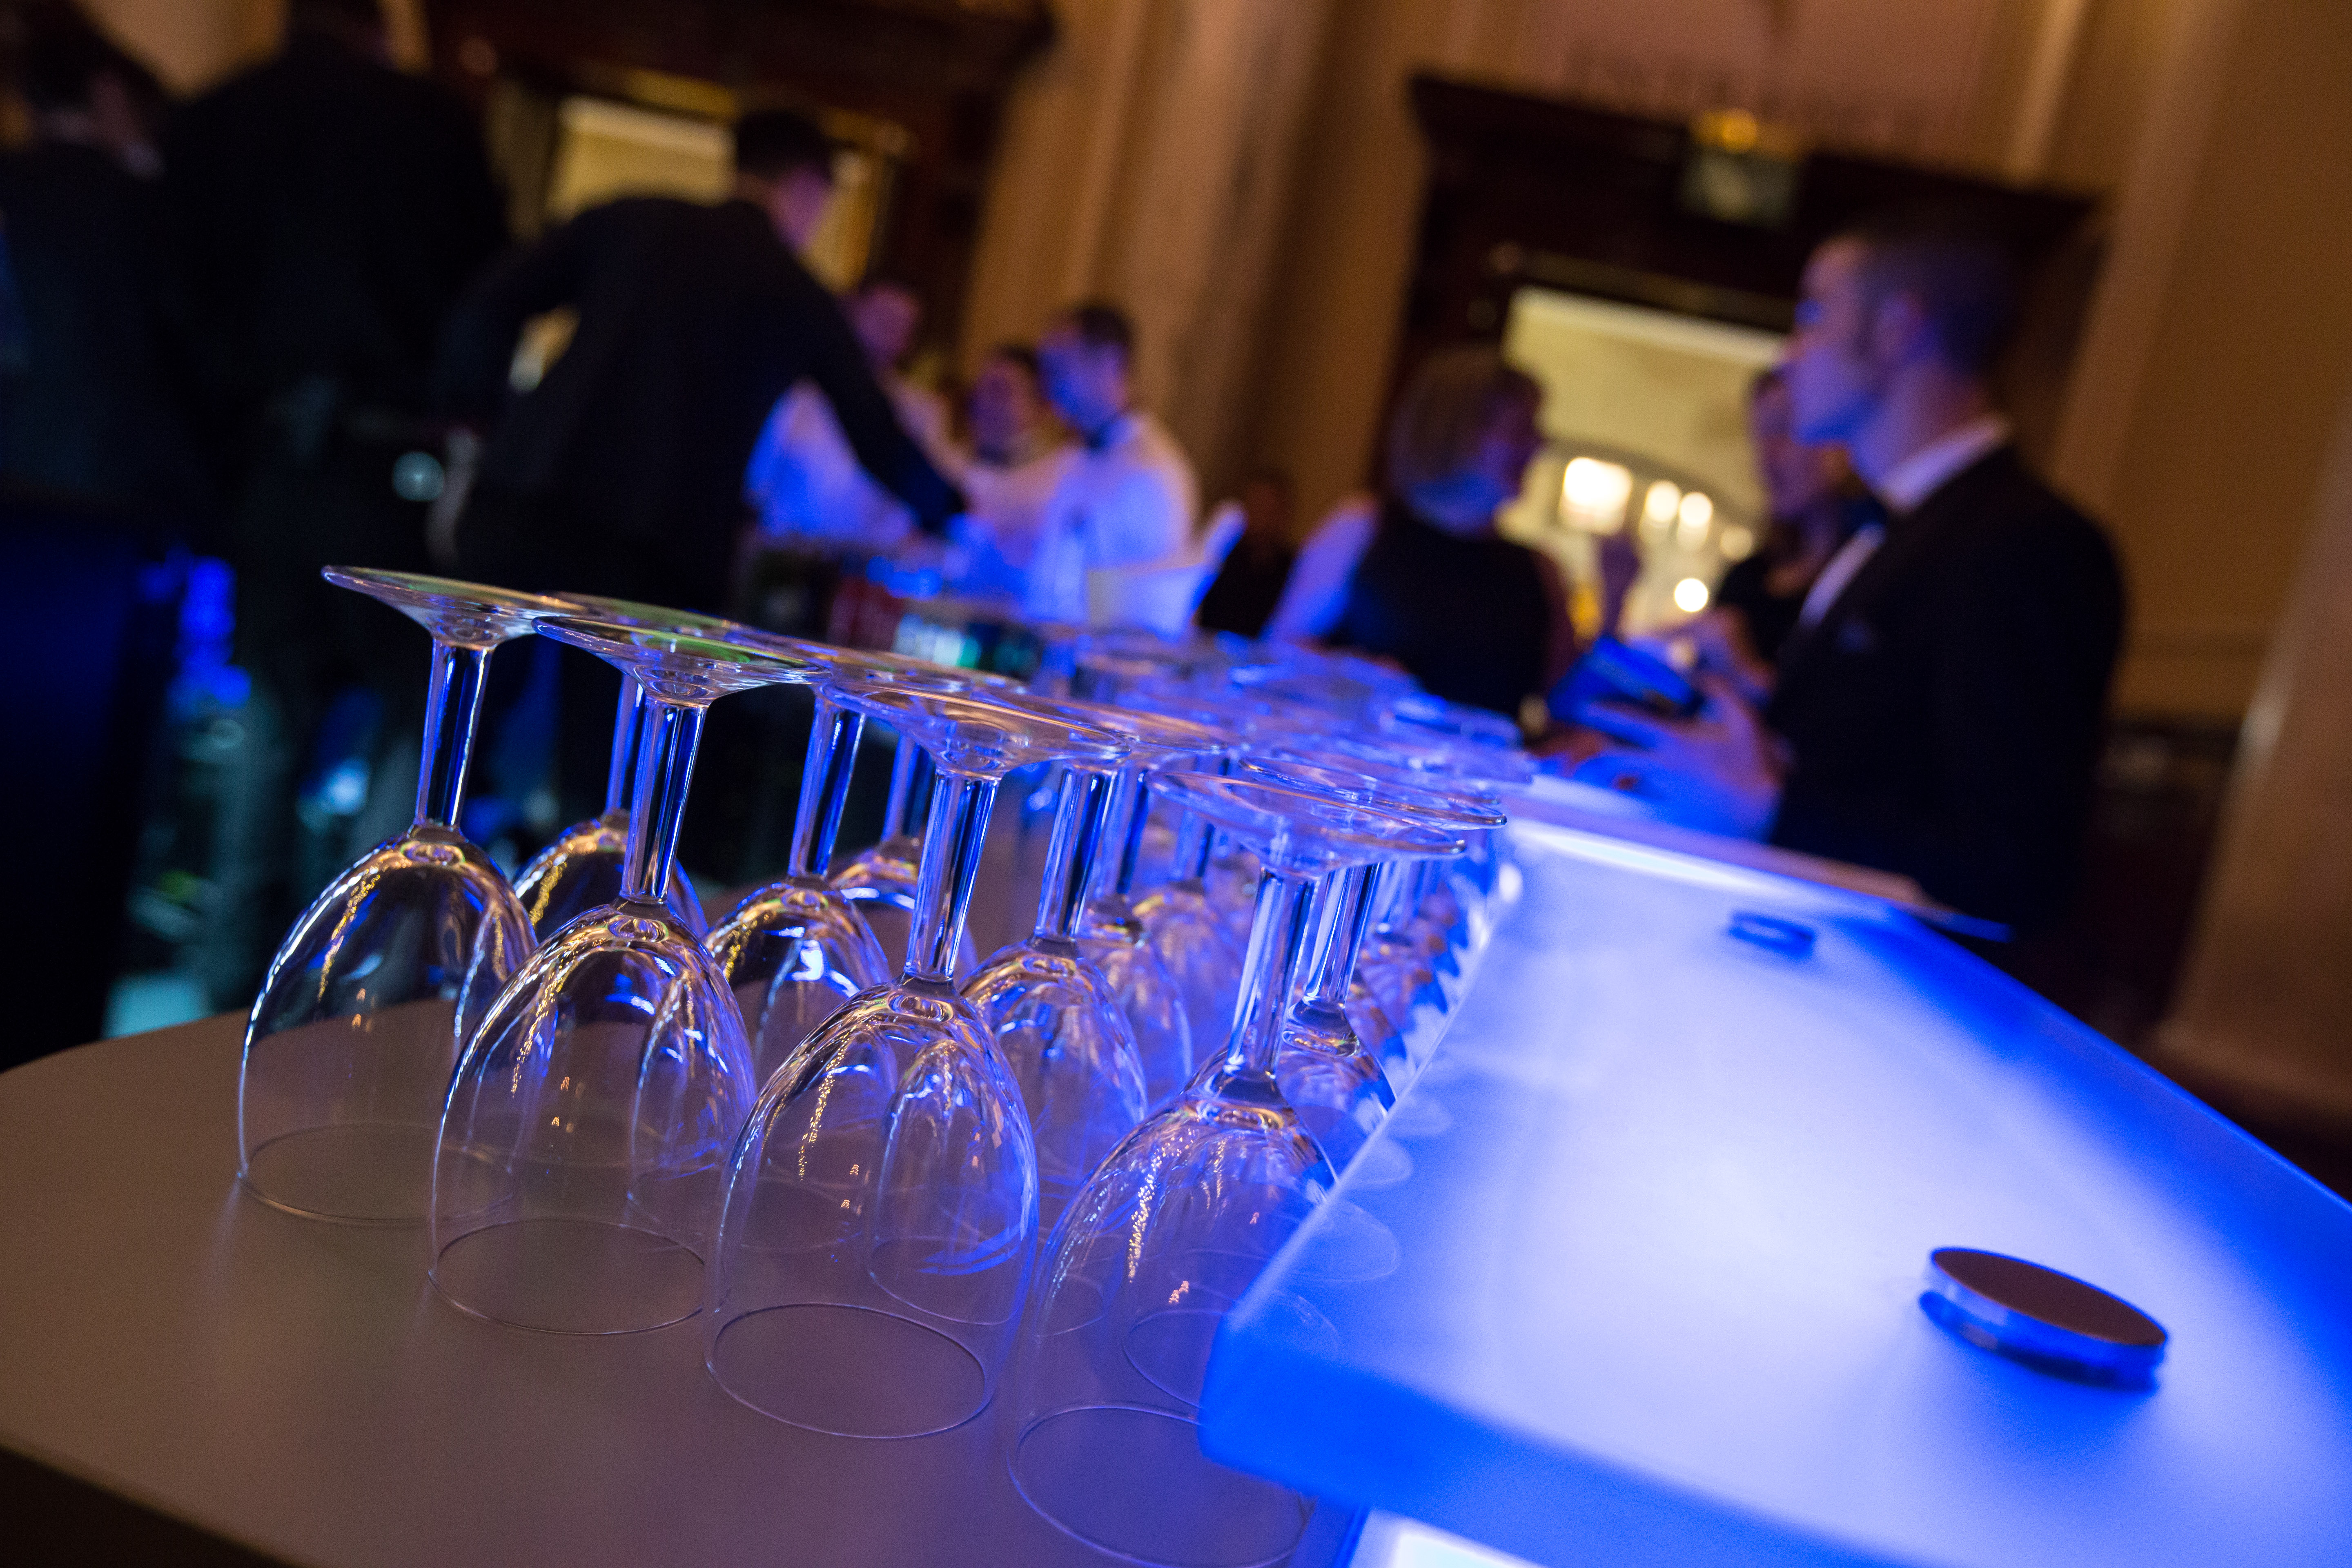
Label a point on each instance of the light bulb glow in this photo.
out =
(1696, 513)
(1594, 493)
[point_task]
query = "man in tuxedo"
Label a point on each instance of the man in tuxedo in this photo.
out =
(622, 471)
(1937, 711)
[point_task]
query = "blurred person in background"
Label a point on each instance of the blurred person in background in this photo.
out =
(804, 481)
(1420, 576)
(1250, 582)
(1126, 503)
(94, 403)
(622, 471)
(1019, 456)
(1814, 504)
(1937, 709)
(324, 210)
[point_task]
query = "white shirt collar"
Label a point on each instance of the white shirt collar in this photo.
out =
(1923, 473)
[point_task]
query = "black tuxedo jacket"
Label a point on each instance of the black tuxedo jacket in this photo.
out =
(1945, 715)
(621, 472)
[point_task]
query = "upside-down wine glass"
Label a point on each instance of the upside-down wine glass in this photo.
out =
(1230, 877)
(1181, 918)
(585, 1136)
(881, 1205)
(1424, 926)
(1192, 936)
(1118, 943)
(348, 1045)
(1058, 1025)
(1333, 1074)
(1166, 1236)
(796, 950)
(582, 869)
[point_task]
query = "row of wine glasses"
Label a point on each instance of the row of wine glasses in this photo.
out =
(882, 1197)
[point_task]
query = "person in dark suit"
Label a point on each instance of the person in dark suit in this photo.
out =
(1938, 709)
(94, 401)
(323, 212)
(621, 472)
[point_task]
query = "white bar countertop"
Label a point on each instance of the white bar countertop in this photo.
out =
(298, 1389)
(1631, 1274)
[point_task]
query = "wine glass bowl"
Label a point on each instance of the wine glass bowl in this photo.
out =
(1174, 1227)
(881, 1205)
(584, 1138)
(350, 1042)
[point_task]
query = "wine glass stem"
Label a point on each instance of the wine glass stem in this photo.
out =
(1195, 840)
(1130, 804)
(1079, 818)
(1130, 849)
(1388, 895)
(825, 788)
(1278, 930)
(628, 720)
(902, 789)
(1346, 920)
(665, 768)
(909, 772)
(952, 838)
(451, 707)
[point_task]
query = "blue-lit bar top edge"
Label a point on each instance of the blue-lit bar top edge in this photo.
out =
(1661, 1307)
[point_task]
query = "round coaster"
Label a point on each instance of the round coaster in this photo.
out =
(2050, 1321)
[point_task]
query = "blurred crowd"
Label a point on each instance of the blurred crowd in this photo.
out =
(280, 325)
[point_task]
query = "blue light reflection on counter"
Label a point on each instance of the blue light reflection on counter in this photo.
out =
(1660, 1256)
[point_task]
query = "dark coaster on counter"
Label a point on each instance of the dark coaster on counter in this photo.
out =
(1787, 938)
(2050, 1321)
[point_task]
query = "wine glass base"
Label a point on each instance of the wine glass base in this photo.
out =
(1133, 1482)
(1171, 1348)
(352, 1172)
(849, 1372)
(571, 1276)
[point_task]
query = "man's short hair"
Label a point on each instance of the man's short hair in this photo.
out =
(1102, 325)
(1446, 409)
(1957, 265)
(776, 142)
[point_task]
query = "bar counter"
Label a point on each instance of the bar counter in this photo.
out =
(1628, 1276)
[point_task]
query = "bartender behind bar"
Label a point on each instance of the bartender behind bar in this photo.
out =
(1936, 710)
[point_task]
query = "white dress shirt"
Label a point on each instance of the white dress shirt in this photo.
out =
(1007, 517)
(1902, 488)
(1126, 502)
(805, 479)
